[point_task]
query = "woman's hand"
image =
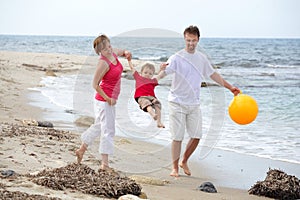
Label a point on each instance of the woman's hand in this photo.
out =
(111, 101)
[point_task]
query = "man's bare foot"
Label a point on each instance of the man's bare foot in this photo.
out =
(174, 173)
(160, 125)
(185, 168)
(79, 155)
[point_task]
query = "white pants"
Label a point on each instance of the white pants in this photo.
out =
(104, 126)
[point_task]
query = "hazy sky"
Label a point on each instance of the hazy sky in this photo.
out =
(215, 18)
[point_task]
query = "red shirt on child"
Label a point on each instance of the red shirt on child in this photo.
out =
(144, 86)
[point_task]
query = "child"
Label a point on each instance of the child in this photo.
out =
(144, 91)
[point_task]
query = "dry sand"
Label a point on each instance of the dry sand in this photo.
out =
(32, 153)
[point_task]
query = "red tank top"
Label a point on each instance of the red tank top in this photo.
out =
(111, 81)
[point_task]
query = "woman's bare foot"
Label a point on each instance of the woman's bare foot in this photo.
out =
(185, 168)
(174, 173)
(105, 167)
(79, 153)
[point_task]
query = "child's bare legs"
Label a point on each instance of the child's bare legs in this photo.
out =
(158, 113)
(151, 111)
(79, 152)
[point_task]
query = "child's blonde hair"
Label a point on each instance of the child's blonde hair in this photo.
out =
(148, 65)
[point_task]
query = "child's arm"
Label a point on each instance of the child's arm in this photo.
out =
(161, 74)
(122, 52)
(131, 66)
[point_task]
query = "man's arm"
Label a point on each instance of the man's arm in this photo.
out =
(221, 81)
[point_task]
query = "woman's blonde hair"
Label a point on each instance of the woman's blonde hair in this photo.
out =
(100, 42)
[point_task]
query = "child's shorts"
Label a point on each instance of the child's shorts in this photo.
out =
(145, 101)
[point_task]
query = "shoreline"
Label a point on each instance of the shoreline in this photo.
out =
(216, 159)
(14, 74)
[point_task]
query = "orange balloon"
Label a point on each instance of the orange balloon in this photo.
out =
(243, 109)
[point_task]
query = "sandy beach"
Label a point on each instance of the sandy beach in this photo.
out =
(30, 153)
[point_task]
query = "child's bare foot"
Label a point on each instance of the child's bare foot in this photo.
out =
(185, 168)
(160, 125)
(79, 155)
(174, 173)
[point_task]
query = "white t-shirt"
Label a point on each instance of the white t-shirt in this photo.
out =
(188, 72)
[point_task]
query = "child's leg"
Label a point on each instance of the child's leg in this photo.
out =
(151, 111)
(158, 113)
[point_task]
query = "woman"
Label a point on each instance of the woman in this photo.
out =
(107, 83)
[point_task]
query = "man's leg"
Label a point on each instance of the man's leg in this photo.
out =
(190, 148)
(176, 149)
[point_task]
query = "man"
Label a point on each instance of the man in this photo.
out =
(189, 68)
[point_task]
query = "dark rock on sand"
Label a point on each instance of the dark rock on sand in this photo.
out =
(128, 75)
(277, 185)
(207, 187)
(7, 173)
(32, 122)
(45, 124)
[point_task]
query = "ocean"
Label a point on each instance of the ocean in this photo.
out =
(266, 69)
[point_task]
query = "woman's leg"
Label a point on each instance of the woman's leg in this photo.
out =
(88, 136)
(108, 132)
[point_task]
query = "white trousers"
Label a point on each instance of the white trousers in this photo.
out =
(104, 126)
